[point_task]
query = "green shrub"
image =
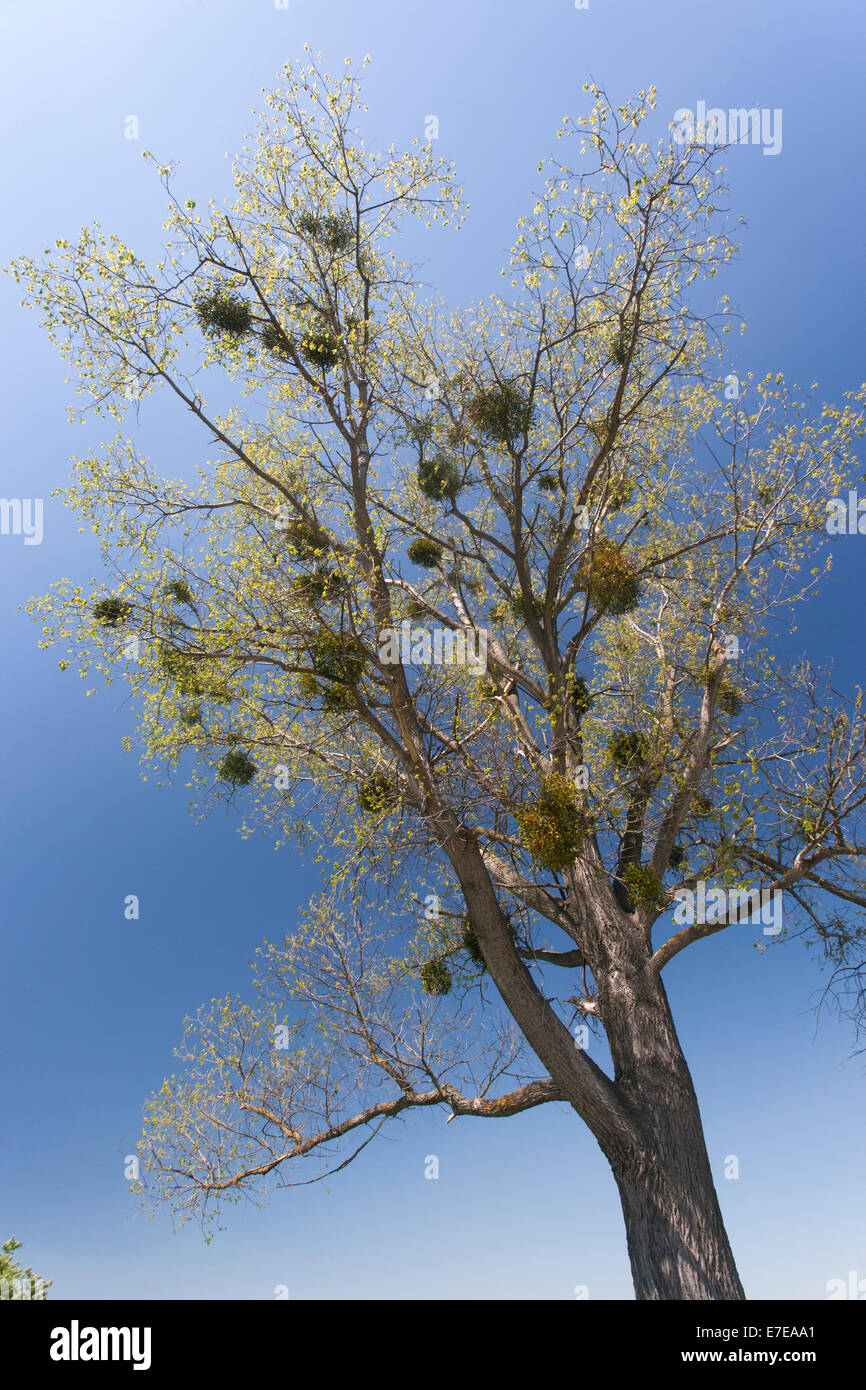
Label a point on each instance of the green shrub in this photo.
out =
(499, 412)
(610, 577)
(223, 314)
(237, 767)
(645, 890)
(426, 554)
(180, 591)
(554, 826)
(377, 794)
(435, 977)
(628, 748)
(439, 478)
(276, 340)
(112, 612)
(320, 348)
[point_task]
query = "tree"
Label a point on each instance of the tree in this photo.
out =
(19, 1284)
(558, 472)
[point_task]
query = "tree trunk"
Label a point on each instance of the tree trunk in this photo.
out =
(677, 1242)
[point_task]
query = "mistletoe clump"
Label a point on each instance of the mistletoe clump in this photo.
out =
(321, 348)
(628, 748)
(677, 857)
(519, 608)
(620, 493)
(320, 585)
(549, 482)
(471, 944)
(619, 346)
(729, 700)
(334, 231)
(222, 314)
(191, 716)
(426, 554)
(645, 890)
(184, 672)
(435, 977)
(554, 826)
(599, 430)
(610, 578)
(499, 413)
(237, 767)
(179, 668)
(337, 661)
(307, 541)
(112, 612)
(579, 693)
(180, 592)
(275, 339)
(377, 794)
(439, 478)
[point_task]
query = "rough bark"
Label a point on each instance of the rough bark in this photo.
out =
(646, 1120)
(677, 1242)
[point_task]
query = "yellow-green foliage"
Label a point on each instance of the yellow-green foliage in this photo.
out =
(237, 767)
(553, 827)
(377, 794)
(439, 478)
(435, 977)
(610, 577)
(223, 313)
(645, 890)
(499, 412)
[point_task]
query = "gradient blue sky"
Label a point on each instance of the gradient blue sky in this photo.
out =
(92, 1004)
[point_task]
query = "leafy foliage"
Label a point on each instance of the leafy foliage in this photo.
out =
(112, 612)
(439, 478)
(222, 314)
(436, 977)
(425, 553)
(554, 826)
(237, 767)
(611, 579)
(500, 412)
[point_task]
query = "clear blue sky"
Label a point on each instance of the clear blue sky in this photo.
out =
(92, 1004)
